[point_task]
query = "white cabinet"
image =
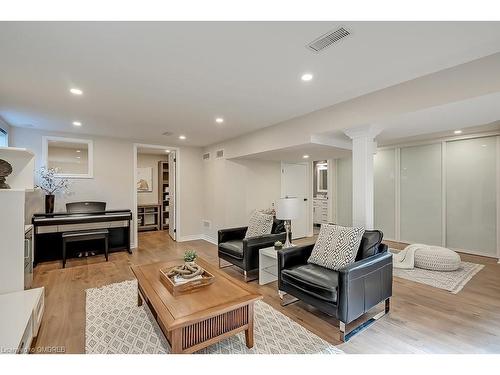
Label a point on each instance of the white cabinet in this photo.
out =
(12, 218)
(12, 240)
(320, 210)
(21, 314)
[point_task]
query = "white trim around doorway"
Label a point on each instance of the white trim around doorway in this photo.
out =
(136, 146)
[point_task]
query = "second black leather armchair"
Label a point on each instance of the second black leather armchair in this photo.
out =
(243, 252)
(347, 293)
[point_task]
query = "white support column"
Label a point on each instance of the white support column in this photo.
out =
(363, 149)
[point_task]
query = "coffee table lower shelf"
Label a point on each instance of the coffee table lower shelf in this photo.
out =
(207, 331)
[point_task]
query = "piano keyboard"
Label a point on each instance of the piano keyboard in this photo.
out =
(82, 226)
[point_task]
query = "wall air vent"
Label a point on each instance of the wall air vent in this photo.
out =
(206, 156)
(328, 39)
(219, 154)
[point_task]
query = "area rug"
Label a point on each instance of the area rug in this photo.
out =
(116, 325)
(451, 281)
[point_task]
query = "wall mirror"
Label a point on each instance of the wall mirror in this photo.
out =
(70, 157)
(322, 177)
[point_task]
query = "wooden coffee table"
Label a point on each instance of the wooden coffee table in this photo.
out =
(195, 320)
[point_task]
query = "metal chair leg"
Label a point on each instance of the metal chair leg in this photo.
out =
(285, 301)
(220, 266)
(346, 336)
(248, 279)
(342, 328)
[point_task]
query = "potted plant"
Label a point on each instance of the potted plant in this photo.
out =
(278, 245)
(190, 256)
(51, 185)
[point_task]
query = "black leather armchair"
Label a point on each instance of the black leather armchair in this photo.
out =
(243, 252)
(346, 294)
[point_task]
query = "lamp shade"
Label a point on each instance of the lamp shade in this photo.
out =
(287, 208)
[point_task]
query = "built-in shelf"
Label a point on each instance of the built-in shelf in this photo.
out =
(149, 217)
(23, 167)
(163, 181)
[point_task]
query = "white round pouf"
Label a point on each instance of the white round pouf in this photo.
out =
(436, 258)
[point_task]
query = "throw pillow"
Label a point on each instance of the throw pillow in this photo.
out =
(259, 224)
(336, 246)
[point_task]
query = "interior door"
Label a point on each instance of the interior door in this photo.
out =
(171, 187)
(295, 182)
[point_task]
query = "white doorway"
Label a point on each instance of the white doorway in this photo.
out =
(159, 212)
(172, 170)
(296, 182)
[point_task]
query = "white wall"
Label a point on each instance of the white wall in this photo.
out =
(234, 188)
(343, 194)
(190, 200)
(114, 180)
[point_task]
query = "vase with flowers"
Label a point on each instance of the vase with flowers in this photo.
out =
(51, 184)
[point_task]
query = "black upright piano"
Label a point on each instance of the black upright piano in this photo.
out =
(48, 228)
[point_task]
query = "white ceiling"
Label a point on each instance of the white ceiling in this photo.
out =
(471, 116)
(295, 153)
(142, 79)
(153, 151)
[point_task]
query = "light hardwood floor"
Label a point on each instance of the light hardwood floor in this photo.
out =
(422, 319)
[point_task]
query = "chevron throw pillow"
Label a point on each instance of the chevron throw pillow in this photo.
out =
(259, 225)
(336, 246)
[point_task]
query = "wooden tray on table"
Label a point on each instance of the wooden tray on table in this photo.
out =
(191, 286)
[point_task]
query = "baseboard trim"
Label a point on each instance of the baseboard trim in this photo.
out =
(192, 237)
(195, 237)
(208, 238)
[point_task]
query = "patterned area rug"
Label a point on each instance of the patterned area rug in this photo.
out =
(116, 325)
(452, 281)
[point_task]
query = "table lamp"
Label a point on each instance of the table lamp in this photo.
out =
(287, 209)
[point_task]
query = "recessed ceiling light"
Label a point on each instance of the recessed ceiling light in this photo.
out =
(219, 120)
(76, 91)
(77, 123)
(483, 145)
(182, 137)
(167, 151)
(306, 77)
(305, 156)
(78, 151)
(78, 157)
(457, 132)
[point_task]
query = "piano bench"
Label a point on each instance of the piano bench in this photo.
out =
(84, 235)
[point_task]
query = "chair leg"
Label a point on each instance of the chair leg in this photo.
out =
(346, 336)
(221, 266)
(286, 299)
(342, 328)
(247, 278)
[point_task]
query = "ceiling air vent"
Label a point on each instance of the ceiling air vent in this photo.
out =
(168, 134)
(328, 39)
(219, 154)
(206, 156)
